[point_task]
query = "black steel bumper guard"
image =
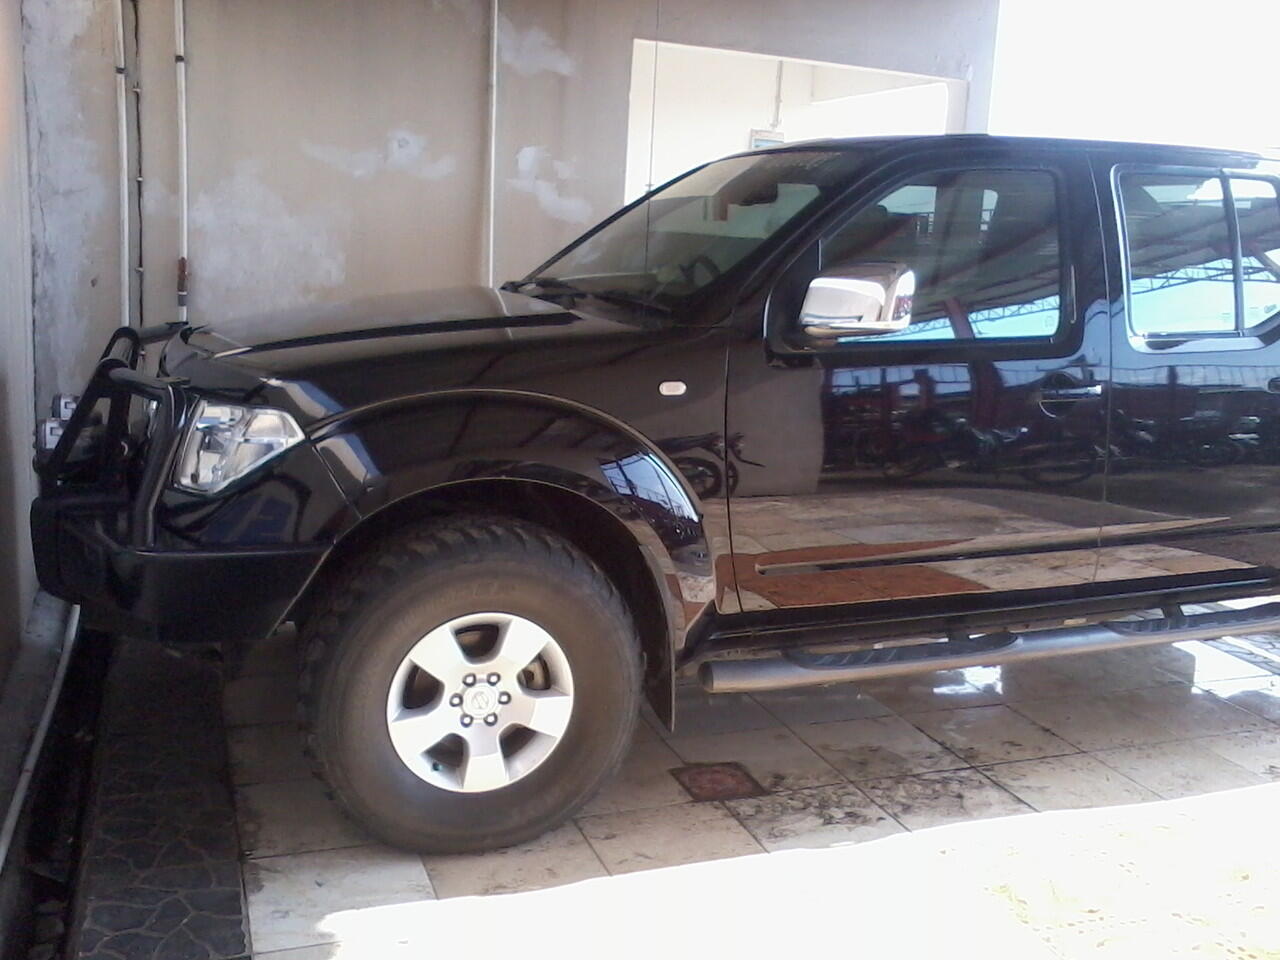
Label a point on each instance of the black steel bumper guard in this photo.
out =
(117, 379)
(93, 527)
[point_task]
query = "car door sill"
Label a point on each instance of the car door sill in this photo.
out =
(803, 668)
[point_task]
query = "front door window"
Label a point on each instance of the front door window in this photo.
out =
(983, 248)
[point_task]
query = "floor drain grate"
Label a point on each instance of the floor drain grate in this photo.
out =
(717, 781)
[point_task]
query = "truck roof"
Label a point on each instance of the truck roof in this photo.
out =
(1056, 143)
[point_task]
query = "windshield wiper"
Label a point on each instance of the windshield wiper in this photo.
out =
(542, 283)
(554, 286)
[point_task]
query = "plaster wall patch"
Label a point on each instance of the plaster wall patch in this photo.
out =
(530, 164)
(532, 51)
(403, 152)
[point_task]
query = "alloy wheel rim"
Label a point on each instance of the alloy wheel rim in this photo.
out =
(490, 716)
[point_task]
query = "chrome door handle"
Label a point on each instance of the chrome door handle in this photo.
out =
(1071, 393)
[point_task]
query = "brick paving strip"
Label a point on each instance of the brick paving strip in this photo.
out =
(159, 876)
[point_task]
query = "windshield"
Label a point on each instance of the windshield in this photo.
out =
(685, 236)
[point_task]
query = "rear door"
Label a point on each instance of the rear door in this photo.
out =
(961, 454)
(1195, 410)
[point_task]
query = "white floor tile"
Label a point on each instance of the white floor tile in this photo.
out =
(842, 701)
(559, 857)
(265, 753)
(945, 690)
(989, 734)
(1071, 782)
(1259, 695)
(260, 699)
(644, 781)
(1197, 662)
(1189, 712)
(877, 747)
(930, 799)
(1256, 750)
(665, 837)
(699, 712)
(274, 655)
(778, 759)
(1180, 769)
(1094, 723)
(292, 816)
(335, 895)
(816, 817)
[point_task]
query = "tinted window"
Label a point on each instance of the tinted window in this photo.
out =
(983, 248)
(1258, 209)
(1181, 275)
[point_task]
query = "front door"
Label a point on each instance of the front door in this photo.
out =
(957, 452)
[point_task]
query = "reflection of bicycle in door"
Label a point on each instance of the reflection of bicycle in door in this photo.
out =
(932, 441)
(704, 473)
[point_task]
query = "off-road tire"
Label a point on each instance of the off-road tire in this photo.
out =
(398, 592)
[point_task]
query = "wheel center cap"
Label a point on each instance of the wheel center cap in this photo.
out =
(480, 701)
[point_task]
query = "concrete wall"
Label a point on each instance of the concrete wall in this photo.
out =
(71, 124)
(16, 581)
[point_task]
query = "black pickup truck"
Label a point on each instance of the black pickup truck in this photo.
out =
(832, 411)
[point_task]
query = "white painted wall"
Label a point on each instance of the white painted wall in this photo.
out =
(693, 104)
(1174, 72)
(71, 126)
(922, 108)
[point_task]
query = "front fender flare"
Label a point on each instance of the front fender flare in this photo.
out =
(386, 453)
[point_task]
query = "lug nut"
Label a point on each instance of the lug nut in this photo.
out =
(493, 679)
(504, 697)
(455, 700)
(469, 680)
(491, 719)
(466, 720)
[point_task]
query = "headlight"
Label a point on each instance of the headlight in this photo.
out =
(224, 442)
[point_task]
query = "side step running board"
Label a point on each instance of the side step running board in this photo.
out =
(802, 668)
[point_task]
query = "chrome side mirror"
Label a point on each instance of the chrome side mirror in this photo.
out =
(861, 299)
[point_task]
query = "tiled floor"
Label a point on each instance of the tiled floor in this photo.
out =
(841, 765)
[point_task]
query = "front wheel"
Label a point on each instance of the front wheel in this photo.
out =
(473, 685)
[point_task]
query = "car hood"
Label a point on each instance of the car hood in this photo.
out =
(453, 310)
(322, 361)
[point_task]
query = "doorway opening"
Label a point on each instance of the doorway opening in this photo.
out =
(691, 104)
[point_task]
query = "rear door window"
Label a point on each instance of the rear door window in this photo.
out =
(1257, 208)
(1202, 253)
